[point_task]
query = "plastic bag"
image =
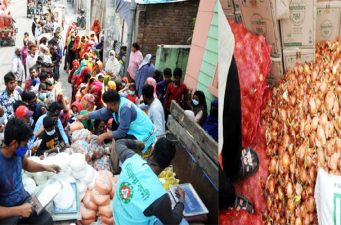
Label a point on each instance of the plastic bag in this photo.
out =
(82, 134)
(80, 146)
(103, 163)
(237, 217)
(95, 150)
(328, 198)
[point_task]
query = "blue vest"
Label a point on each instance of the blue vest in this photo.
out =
(142, 127)
(137, 188)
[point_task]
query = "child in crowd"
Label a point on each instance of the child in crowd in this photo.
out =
(51, 139)
(175, 91)
(131, 93)
(100, 127)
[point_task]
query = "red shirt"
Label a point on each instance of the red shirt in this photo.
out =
(132, 98)
(175, 93)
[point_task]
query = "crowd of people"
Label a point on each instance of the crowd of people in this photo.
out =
(131, 107)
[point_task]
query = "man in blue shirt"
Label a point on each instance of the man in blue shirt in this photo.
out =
(132, 122)
(140, 198)
(15, 206)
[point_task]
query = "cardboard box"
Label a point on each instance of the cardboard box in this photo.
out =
(236, 5)
(328, 18)
(291, 56)
(258, 17)
(227, 5)
(299, 29)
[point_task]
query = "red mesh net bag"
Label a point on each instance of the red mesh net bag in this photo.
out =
(252, 56)
(238, 217)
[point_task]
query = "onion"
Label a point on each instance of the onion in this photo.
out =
(312, 106)
(273, 166)
(314, 123)
(298, 221)
(333, 162)
(310, 204)
(289, 189)
(330, 98)
(321, 135)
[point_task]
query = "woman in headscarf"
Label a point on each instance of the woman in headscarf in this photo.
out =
(146, 69)
(98, 68)
(93, 37)
(111, 85)
(75, 66)
(75, 46)
(113, 66)
(96, 91)
(199, 107)
(88, 102)
(71, 54)
(96, 28)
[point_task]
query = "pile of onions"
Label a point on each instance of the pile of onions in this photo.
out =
(303, 133)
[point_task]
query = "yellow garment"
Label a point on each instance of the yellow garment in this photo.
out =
(112, 85)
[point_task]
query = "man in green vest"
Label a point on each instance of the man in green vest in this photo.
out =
(140, 198)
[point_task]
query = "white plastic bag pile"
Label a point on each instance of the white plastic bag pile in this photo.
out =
(74, 168)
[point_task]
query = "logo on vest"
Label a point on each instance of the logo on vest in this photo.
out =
(126, 192)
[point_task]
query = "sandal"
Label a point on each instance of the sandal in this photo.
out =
(241, 202)
(250, 163)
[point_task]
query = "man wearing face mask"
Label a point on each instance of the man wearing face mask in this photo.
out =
(53, 111)
(51, 138)
(15, 206)
(17, 66)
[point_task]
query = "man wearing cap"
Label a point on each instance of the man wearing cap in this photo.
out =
(140, 197)
(9, 96)
(53, 111)
(22, 112)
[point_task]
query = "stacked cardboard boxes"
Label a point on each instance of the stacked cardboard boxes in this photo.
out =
(292, 27)
(328, 21)
(231, 10)
(298, 33)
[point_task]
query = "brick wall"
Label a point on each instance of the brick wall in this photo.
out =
(168, 24)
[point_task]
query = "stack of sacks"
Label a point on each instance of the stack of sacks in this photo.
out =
(99, 200)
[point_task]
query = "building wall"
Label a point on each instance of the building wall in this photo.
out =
(210, 59)
(172, 56)
(203, 55)
(168, 24)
